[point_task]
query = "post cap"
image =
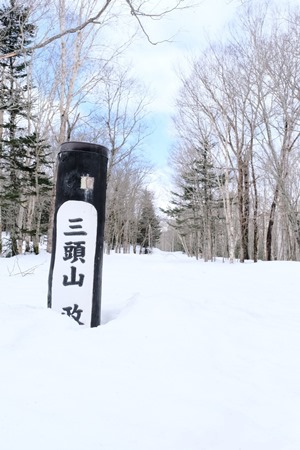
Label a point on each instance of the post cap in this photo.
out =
(84, 147)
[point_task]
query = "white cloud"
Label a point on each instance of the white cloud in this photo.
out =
(189, 29)
(160, 182)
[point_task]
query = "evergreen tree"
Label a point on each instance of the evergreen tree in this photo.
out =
(20, 151)
(37, 184)
(195, 204)
(148, 225)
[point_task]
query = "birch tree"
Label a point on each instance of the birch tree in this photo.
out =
(246, 91)
(124, 205)
(78, 30)
(280, 121)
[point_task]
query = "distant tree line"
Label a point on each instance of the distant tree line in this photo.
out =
(236, 156)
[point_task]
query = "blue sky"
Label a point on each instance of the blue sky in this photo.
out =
(157, 65)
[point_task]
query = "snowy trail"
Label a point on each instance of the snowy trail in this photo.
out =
(190, 355)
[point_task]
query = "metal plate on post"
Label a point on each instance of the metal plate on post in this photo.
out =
(87, 183)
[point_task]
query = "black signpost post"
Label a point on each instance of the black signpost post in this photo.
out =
(75, 275)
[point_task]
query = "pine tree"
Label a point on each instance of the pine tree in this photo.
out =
(148, 225)
(195, 204)
(34, 214)
(18, 157)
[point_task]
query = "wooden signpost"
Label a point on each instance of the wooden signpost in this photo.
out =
(75, 275)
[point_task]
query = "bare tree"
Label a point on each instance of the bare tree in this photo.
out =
(279, 112)
(139, 10)
(73, 78)
(126, 183)
(247, 92)
(119, 115)
(73, 55)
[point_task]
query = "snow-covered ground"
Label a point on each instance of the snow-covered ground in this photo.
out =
(189, 356)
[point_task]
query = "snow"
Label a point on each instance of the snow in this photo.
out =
(189, 356)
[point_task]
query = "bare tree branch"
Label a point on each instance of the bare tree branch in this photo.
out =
(80, 27)
(135, 12)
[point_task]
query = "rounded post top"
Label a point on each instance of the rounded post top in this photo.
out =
(84, 147)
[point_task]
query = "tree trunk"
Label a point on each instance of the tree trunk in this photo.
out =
(246, 211)
(255, 213)
(241, 209)
(0, 230)
(229, 218)
(52, 211)
(243, 199)
(270, 225)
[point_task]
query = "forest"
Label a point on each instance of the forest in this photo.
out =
(236, 159)
(235, 155)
